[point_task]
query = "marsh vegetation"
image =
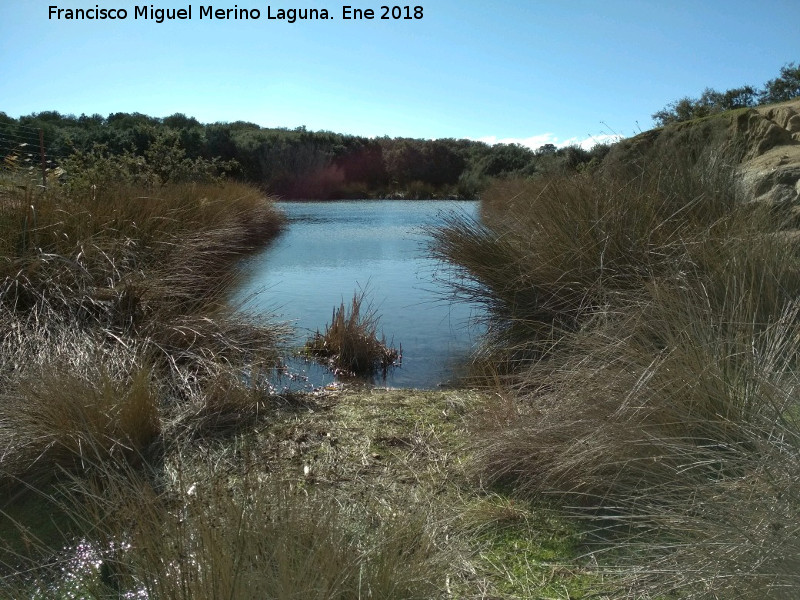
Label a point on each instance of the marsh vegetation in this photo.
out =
(351, 345)
(643, 329)
(634, 433)
(145, 452)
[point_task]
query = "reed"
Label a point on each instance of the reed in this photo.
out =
(350, 344)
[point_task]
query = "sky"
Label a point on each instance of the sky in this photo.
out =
(526, 71)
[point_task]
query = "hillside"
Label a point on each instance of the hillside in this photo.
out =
(765, 140)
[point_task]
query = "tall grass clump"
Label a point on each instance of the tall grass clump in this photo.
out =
(114, 318)
(208, 535)
(350, 344)
(644, 322)
(113, 231)
(60, 421)
(549, 255)
(118, 352)
(147, 267)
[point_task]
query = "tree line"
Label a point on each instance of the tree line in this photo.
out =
(784, 87)
(292, 163)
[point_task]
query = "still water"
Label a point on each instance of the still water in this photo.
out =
(332, 249)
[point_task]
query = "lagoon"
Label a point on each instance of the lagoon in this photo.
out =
(332, 249)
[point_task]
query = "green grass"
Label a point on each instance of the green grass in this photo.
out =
(530, 549)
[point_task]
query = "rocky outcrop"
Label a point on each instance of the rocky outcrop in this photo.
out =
(770, 169)
(764, 143)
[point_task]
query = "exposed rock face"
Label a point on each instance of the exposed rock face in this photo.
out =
(765, 141)
(770, 170)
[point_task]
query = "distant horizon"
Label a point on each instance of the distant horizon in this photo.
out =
(530, 73)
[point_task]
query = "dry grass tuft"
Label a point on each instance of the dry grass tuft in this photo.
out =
(350, 344)
(114, 313)
(208, 536)
(645, 324)
(552, 254)
(59, 421)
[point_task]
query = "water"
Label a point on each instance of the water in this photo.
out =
(332, 249)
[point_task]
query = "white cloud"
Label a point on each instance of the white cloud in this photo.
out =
(537, 141)
(534, 142)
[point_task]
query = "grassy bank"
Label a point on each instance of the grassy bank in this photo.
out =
(143, 452)
(115, 338)
(358, 494)
(643, 332)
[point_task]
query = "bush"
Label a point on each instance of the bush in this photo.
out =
(164, 162)
(780, 89)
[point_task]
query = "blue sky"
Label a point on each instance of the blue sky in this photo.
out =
(530, 71)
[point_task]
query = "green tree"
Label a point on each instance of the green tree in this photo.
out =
(782, 88)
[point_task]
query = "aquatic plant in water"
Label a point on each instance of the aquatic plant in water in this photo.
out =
(350, 345)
